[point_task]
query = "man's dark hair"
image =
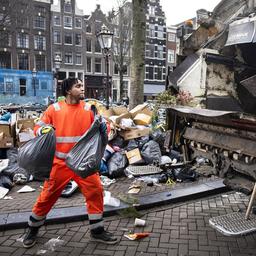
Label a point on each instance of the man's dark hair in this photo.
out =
(67, 84)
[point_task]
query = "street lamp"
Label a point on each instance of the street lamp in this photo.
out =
(34, 73)
(57, 63)
(105, 38)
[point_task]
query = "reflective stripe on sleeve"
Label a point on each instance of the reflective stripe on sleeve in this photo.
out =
(40, 123)
(56, 106)
(61, 155)
(68, 139)
(87, 107)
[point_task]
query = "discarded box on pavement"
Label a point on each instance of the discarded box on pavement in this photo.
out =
(138, 109)
(134, 133)
(142, 119)
(7, 133)
(24, 130)
(133, 156)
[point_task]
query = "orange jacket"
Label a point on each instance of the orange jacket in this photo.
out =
(70, 121)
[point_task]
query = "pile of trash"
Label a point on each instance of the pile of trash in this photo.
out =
(135, 141)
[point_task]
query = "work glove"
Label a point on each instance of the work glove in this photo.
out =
(44, 130)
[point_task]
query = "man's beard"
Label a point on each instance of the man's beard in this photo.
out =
(82, 97)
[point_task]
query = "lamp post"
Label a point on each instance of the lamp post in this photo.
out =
(57, 63)
(105, 38)
(34, 73)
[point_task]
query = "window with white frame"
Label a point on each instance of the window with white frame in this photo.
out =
(78, 59)
(40, 62)
(88, 29)
(40, 42)
(68, 39)
(22, 40)
(160, 32)
(39, 22)
(159, 53)
(150, 50)
(151, 30)
(158, 73)
(171, 37)
(97, 46)
(114, 90)
(116, 69)
(152, 10)
(67, 22)
(89, 64)
(67, 6)
(56, 20)
(78, 39)
(23, 61)
(68, 58)
(125, 88)
(56, 37)
(149, 72)
(78, 22)
(98, 65)
(88, 45)
(171, 56)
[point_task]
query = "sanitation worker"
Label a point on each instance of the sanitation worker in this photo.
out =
(71, 119)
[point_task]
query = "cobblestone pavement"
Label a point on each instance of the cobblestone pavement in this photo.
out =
(177, 229)
(23, 202)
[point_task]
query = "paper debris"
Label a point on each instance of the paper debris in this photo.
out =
(136, 236)
(7, 198)
(3, 164)
(25, 189)
(3, 192)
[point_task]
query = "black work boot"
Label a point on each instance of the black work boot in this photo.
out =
(29, 239)
(103, 236)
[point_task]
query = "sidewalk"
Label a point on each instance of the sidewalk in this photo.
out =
(175, 230)
(15, 212)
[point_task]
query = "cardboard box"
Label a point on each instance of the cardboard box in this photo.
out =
(138, 109)
(133, 156)
(134, 133)
(119, 118)
(24, 130)
(6, 142)
(119, 110)
(142, 119)
(6, 138)
(107, 113)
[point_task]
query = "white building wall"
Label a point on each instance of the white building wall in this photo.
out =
(194, 79)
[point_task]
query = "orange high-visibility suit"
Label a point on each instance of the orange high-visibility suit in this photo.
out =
(70, 121)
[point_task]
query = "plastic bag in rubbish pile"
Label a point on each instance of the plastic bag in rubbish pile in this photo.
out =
(151, 152)
(17, 174)
(117, 164)
(85, 157)
(36, 156)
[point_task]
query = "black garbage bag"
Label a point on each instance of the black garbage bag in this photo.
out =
(117, 141)
(12, 155)
(36, 156)
(85, 157)
(15, 170)
(142, 141)
(132, 144)
(151, 152)
(5, 181)
(185, 174)
(117, 164)
(159, 136)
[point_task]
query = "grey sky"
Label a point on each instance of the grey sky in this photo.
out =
(175, 10)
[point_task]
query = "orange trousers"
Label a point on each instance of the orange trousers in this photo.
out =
(91, 188)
